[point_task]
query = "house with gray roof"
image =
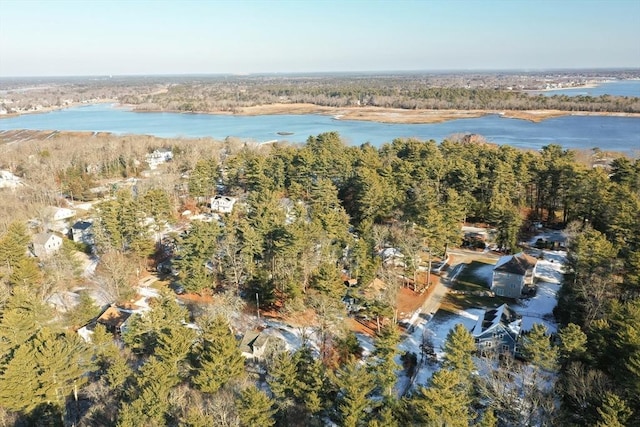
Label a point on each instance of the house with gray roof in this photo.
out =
(254, 344)
(45, 244)
(498, 331)
(82, 232)
(512, 273)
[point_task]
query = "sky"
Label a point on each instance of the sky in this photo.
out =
(124, 37)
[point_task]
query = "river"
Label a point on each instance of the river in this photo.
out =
(614, 88)
(621, 134)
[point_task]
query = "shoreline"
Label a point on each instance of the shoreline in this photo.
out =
(557, 89)
(371, 114)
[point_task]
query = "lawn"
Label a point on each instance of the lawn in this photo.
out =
(476, 276)
(474, 281)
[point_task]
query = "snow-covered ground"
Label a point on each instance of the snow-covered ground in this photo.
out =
(292, 337)
(437, 330)
(539, 309)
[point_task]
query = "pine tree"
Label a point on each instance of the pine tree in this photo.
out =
(385, 417)
(25, 271)
(202, 178)
(148, 395)
(573, 343)
(23, 316)
(444, 402)
(459, 348)
(386, 349)
(255, 409)
(13, 244)
(489, 418)
(537, 348)
(310, 379)
(174, 344)
(282, 379)
(218, 358)
(144, 330)
(354, 386)
(614, 411)
(44, 371)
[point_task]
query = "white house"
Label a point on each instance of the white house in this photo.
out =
(54, 213)
(222, 204)
(158, 157)
(45, 244)
(512, 273)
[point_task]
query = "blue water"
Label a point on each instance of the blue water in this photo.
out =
(581, 132)
(617, 88)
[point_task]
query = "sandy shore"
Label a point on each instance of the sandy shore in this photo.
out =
(578, 87)
(397, 115)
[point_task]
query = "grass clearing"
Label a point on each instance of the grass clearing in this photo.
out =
(456, 302)
(474, 281)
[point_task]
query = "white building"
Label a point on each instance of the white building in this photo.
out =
(222, 204)
(158, 157)
(54, 213)
(45, 244)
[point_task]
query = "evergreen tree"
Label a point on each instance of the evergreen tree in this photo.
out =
(255, 409)
(444, 402)
(148, 396)
(44, 371)
(386, 349)
(13, 244)
(614, 412)
(489, 418)
(174, 344)
(310, 380)
(573, 343)
(22, 317)
(143, 333)
(218, 358)
(354, 386)
(282, 380)
(202, 179)
(537, 348)
(386, 417)
(459, 348)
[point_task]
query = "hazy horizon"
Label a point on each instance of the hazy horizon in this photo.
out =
(160, 38)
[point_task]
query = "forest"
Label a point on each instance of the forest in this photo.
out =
(410, 91)
(307, 216)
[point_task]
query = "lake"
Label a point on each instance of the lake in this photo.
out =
(578, 132)
(616, 88)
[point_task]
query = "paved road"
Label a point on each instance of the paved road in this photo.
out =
(432, 303)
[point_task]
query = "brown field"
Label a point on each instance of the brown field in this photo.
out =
(398, 115)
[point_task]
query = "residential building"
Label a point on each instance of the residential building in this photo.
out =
(254, 344)
(158, 157)
(114, 319)
(222, 204)
(82, 232)
(54, 213)
(512, 273)
(45, 244)
(498, 331)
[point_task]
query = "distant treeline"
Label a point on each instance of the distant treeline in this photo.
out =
(388, 92)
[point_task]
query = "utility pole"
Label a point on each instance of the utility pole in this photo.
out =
(258, 307)
(429, 270)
